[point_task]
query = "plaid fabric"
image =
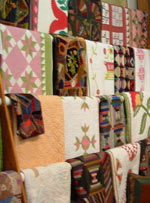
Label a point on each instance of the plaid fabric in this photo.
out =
(29, 115)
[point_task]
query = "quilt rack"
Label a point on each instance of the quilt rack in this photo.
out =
(10, 161)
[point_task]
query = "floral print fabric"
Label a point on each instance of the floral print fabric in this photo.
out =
(124, 69)
(10, 187)
(81, 133)
(70, 71)
(84, 19)
(138, 28)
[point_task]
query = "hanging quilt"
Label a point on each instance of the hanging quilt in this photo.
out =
(124, 64)
(15, 13)
(70, 71)
(138, 28)
(87, 179)
(137, 107)
(100, 68)
(26, 65)
(81, 133)
(48, 183)
(117, 2)
(145, 157)
(10, 187)
(50, 16)
(112, 122)
(124, 159)
(8, 12)
(29, 115)
(46, 148)
(115, 25)
(85, 19)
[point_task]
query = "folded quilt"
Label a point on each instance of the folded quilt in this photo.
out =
(29, 115)
(142, 70)
(81, 126)
(137, 106)
(117, 2)
(85, 19)
(144, 160)
(115, 25)
(100, 68)
(112, 122)
(138, 28)
(10, 187)
(50, 16)
(70, 69)
(124, 159)
(51, 183)
(49, 147)
(124, 63)
(26, 65)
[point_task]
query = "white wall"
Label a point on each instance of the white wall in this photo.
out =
(132, 4)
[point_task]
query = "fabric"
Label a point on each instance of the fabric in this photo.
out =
(49, 147)
(142, 63)
(145, 157)
(10, 187)
(138, 188)
(137, 107)
(23, 14)
(87, 179)
(81, 126)
(112, 122)
(138, 28)
(1, 149)
(115, 25)
(108, 179)
(26, 61)
(124, 63)
(8, 12)
(29, 115)
(15, 13)
(70, 70)
(100, 68)
(34, 8)
(50, 183)
(117, 2)
(123, 159)
(52, 16)
(85, 19)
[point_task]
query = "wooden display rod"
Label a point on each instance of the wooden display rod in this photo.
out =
(9, 154)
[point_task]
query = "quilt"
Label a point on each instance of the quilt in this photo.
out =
(124, 159)
(50, 16)
(85, 19)
(115, 25)
(82, 127)
(137, 107)
(26, 65)
(124, 64)
(138, 28)
(70, 69)
(100, 68)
